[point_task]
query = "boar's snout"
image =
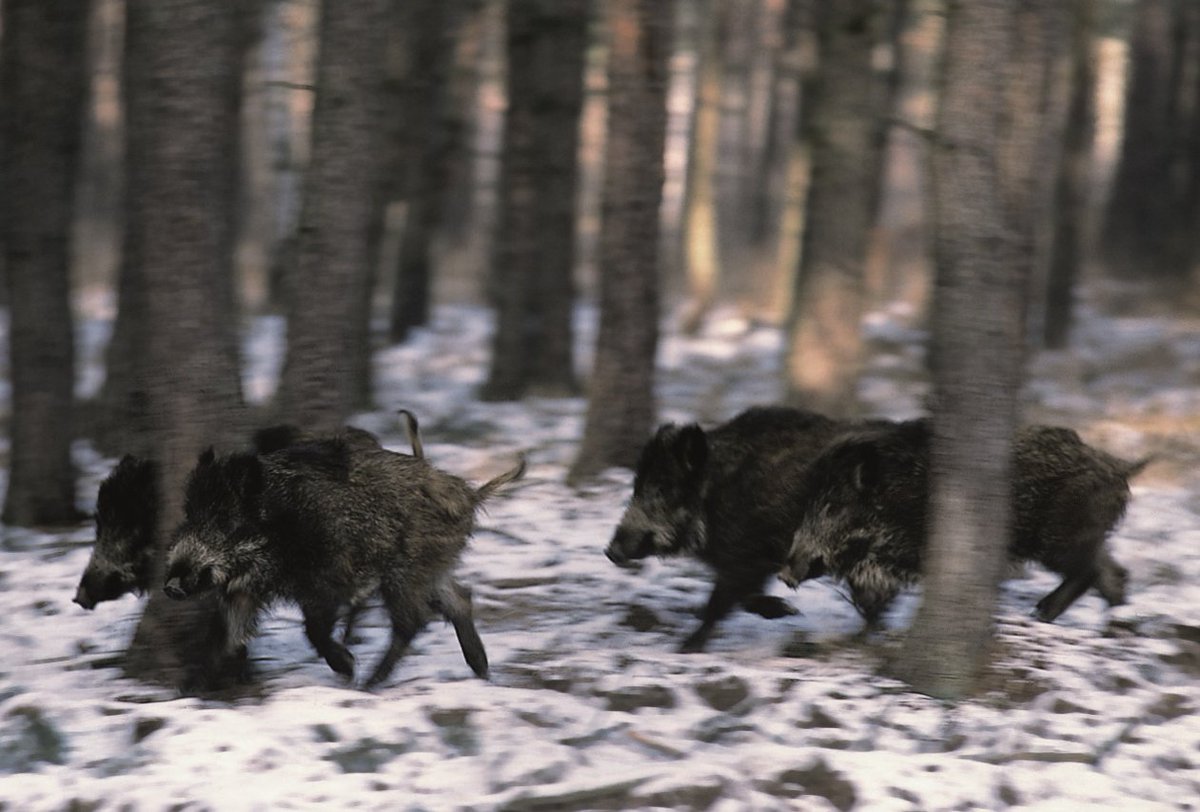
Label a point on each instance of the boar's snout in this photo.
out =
(84, 599)
(174, 589)
(627, 546)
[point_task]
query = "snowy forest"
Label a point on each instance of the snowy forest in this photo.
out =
(600, 404)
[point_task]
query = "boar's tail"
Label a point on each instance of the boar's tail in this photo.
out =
(1132, 469)
(413, 429)
(492, 485)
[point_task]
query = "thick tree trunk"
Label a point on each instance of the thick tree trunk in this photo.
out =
(42, 84)
(844, 126)
(329, 301)
(531, 281)
(621, 406)
(979, 308)
(182, 88)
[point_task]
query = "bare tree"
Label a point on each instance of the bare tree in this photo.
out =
(1073, 184)
(979, 307)
(621, 408)
(182, 89)
(844, 127)
(530, 281)
(329, 302)
(42, 84)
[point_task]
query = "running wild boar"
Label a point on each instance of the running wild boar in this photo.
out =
(325, 525)
(865, 514)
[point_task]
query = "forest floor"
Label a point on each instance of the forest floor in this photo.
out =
(588, 705)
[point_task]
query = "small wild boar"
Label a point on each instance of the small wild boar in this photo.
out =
(325, 525)
(725, 496)
(126, 514)
(866, 502)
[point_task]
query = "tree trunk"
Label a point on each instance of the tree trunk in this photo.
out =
(621, 407)
(845, 131)
(182, 82)
(531, 280)
(1073, 182)
(42, 84)
(1136, 238)
(430, 117)
(979, 306)
(701, 249)
(329, 301)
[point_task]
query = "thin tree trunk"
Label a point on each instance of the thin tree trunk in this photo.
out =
(182, 82)
(1073, 184)
(979, 311)
(844, 127)
(430, 118)
(329, 301)
(531, 281)
(43, 84)
(621, 406)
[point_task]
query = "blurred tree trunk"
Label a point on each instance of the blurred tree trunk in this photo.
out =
(531, 282)
(979, 308)
(321, 382)
(621, 406)
(1138, 237)
(182, 80)
(700, 235)
(844, 125)
(42, 84)
(431, 120)
(1073, 182)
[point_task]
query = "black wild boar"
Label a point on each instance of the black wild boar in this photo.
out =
(725, 496)
(865, 515)
(325, 525)
(126, 514)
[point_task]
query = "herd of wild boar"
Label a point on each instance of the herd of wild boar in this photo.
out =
(329, 522)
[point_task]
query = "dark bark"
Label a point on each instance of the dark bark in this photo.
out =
(1073, 182)
(1139, 237)
(844, 127)
(531, 281)
(979, 306)
(621, 405)
(329, 302)
(181, 80)
(42, 84)
(431, 118)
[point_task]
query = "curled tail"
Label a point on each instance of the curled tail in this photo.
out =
(492, 485)
(413, 429)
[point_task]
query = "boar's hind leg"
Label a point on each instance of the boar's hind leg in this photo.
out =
(768, 606)
(727, 593)
(408, 614)
(318, 626)
(453, 601)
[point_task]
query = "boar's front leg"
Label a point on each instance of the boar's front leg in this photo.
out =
(318, 626)
(727, 592)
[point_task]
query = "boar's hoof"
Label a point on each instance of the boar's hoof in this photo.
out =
(769, 606)
(341, 661)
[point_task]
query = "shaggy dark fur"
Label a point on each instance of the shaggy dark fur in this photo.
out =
(126, 514)
(865, 514)
(724, 496)
(283, 526)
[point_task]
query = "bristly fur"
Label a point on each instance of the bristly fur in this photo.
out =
(324, 523)
(865, 516)
(126, 519)
(725, 497)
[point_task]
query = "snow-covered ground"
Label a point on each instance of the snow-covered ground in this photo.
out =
(588, 705)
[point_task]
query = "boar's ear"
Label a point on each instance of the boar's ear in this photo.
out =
(865, 465)
(691, 448)
(207, 457)
(246, 472)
